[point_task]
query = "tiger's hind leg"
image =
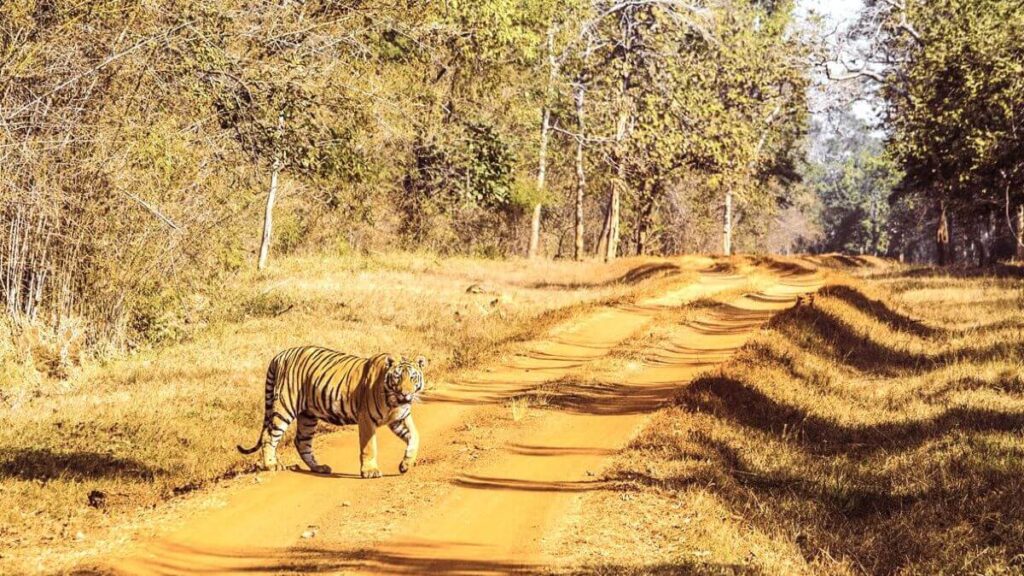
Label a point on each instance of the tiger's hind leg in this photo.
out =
(304, 443)
(277, 424)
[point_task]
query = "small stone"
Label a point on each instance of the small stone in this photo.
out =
(309, 533)
(346, 503)
(80, 536)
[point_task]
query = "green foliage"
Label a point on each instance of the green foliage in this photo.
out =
(955, 95)
(158, 317)
(498, 30)
(525, 194)
(856, 208)
(139, 141)
(718, 92)
(854, 177)
(471, 166)
(290, 229)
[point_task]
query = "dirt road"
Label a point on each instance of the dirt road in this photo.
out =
(506, 450)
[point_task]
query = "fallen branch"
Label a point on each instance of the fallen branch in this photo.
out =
(152, 210)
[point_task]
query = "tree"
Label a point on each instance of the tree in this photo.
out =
(950, 72)
(579, 93)
(545, 133)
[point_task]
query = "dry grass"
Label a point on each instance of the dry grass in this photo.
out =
(519, 407)
(878, 431)
(135, 431)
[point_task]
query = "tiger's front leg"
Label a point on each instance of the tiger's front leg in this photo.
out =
(368, 449)
(406, 430)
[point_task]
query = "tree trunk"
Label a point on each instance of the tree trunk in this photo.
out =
(643, 230)
(268, 219)
(1020, 233)
(727, 229)
(602, 241)
(942, 235)
(545, 131)
(534, 231)
(874, 225)
(615, 194)
(542, 169)
(645, 216)
(988, 237)
(617, 184)
(614, 216)
(268, 215)
(580, 175)
(982, 241)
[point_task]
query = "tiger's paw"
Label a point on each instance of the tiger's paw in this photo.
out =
(321, 469)
(406, 465)
(370, 472)
(274, 467)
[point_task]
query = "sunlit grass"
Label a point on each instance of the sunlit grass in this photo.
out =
(877, 431)
(141, 429)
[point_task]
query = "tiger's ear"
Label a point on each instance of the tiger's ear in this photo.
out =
(421, 362)
(389, 361)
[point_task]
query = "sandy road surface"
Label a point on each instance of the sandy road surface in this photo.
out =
(490, 490)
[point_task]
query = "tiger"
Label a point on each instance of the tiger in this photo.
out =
(313, 383)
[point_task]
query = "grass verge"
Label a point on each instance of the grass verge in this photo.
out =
(876, 431)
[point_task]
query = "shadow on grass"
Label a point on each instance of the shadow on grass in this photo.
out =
(838, 340)
(852, 501)
(943, 493)
(887, 511)
(844, 261)
(881, 494)
(634, 276)
(997, 271)
(44, 464)
(880, 311)
(744, 404)
(785, 268)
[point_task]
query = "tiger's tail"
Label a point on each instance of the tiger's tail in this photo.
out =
(259, 444)
(271, 380)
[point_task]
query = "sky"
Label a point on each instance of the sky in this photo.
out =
(838, 13)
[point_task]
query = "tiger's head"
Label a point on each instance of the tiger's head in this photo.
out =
(403, 380)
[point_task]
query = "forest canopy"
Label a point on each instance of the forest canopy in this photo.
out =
(151, 151)
(140, 140)
(949, 77)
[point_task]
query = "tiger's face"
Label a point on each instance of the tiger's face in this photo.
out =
(404, 380)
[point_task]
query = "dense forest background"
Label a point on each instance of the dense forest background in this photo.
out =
(143, 145)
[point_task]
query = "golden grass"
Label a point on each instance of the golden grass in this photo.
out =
(878, 431)
(519, 407)
(79, 454)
